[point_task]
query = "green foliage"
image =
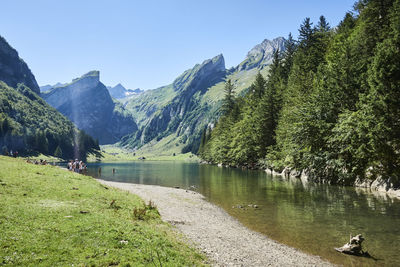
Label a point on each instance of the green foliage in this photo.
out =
(193, 103)
(28, 124)
(330, 104)
(58, 152)
(228, 103)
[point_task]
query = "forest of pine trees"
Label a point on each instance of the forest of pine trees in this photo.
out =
(329, 106)
(46, 142)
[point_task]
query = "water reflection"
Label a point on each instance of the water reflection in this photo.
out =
(313, 218)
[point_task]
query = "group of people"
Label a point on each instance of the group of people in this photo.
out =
(11, 154)
(36, 162)
(76, 166)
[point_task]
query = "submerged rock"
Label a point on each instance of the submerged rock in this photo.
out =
(384, 186)
(354, 247)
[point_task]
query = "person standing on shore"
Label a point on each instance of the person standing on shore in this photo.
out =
(69, 165)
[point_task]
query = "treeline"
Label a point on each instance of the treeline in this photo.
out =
(329, 106)
(28, 125)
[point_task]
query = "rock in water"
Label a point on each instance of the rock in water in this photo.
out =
(353, 247)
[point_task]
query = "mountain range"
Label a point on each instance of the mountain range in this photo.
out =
(120, 92)
(27, 122)
(169, 118)
(87, 103)
(49, 87)
(174, 116)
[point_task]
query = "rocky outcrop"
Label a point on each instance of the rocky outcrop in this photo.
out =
(87, 103)
(262, 54)
(193, 77)
(379, 185)
(13, 69)
(120, 92)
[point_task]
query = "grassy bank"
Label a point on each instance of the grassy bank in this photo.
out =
(113, 153)
(49, 216)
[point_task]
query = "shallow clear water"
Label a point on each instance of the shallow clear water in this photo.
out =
(313, 218)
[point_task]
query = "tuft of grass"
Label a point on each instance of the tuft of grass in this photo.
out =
(52, 217)
(147, 212)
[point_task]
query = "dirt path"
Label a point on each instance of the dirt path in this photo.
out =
(225, 241)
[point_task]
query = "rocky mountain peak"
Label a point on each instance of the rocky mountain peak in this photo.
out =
(119, 91)
(262, 54)
(13, 69)
(86, 81)
(209, 67)
(87, 102)
(218, 63)
(90, 79)
(267, 47)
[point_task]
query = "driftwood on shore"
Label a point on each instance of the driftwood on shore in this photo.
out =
(354, 247)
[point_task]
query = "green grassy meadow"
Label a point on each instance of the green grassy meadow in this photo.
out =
(52, 217)
(159, 151)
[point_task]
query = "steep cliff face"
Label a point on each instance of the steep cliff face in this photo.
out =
(87, 102)
(175, 108)
(262, 54)
(13, 69)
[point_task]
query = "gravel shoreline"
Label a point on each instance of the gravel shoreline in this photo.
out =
(222, 238)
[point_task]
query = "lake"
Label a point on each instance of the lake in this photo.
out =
(311, 217)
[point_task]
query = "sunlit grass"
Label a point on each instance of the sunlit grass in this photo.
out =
(52, 217)
(168, 149)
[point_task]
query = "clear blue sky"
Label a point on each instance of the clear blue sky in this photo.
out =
(147, 43)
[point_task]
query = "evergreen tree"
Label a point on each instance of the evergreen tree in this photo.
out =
(306, 33)
(41, 142)
(5, 126)
(58, 152)
(290, 49)
(297, 101)
(258, 87)
(228, 102)
(323, 25)
(330, 104)
(267, 112)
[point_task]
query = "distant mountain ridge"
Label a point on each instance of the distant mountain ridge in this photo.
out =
(48, 87)
(119, 91)
(87, 103)
(13, 69)
(179, 112)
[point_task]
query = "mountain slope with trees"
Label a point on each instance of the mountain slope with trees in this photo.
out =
(175, 115)
(329, 106)
(28, 124)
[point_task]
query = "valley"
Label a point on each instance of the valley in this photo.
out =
(203, 137)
